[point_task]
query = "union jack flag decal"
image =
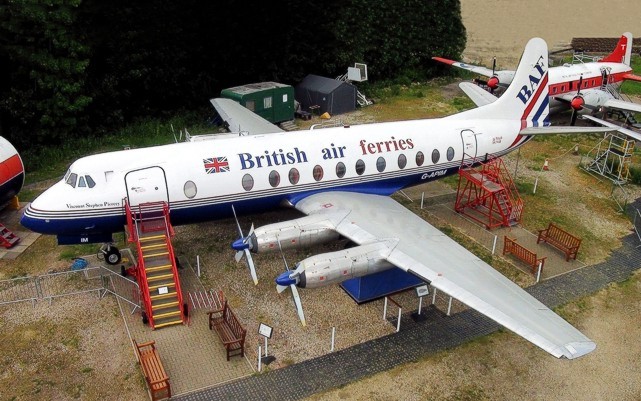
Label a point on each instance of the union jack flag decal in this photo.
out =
(216, 165)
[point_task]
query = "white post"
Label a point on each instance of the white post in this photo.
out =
(260, 351)
(333, 337)
(494, 245)
(536, 182)
(385, 309)
(398, 323)
(538, 272)
(265, 346)
(449, 306)
(420, 304)
(198, 265)
(434, 297)
(422, 198)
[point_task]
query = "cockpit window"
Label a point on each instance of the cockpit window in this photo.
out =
(90, 182)
(71, 179)
(81, 182)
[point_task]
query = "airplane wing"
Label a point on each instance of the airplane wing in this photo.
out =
(632, 77)
(562, 129)
(475, 69)
(477, 94)
(239, 118)
(625, 131)
(623, 105)
(415, 246)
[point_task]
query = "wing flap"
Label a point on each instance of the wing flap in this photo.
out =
(425, 251)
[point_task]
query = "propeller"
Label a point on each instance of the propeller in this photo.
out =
(493, 82)
(290, 278)
(242, 245)
(577, 102)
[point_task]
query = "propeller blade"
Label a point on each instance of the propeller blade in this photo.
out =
(252, 268)
(280, 288)
(575, 113)
(240, 232)
(299, 305)
(493, 65)
(248, 256)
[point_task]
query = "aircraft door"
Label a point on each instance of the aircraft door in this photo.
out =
(146, 185)
(469, 144)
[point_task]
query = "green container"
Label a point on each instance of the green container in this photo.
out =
(271, 100)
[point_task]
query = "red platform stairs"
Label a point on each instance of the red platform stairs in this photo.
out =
(149, 228)
(486, 193)
(7, 238)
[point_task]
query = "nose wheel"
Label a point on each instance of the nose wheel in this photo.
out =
(110, 254)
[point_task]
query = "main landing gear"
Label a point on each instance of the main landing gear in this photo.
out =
(110, 254)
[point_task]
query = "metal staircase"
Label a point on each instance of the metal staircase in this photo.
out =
(7, 238)
(611, 158)
(149, 227)
(488, 195)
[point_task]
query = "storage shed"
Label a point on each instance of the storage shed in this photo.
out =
(330, 95)
(271, 100)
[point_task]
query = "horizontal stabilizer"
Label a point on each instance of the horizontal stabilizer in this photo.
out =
(631, 77)
(555, 129)
(478, 95)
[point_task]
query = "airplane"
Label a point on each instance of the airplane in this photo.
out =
(341, 178)
(11, 172)
(583, 88)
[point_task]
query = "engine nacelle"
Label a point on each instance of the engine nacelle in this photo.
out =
(593, 99)
(334, 267)
(298, 233)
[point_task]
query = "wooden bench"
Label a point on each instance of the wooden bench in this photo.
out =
(510, 246)
(560, 239)
(229, 329)
(155, 376)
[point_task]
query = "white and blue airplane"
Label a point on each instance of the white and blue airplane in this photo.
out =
(341, 178)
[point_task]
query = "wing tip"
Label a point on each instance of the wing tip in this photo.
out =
(577, 349)
(443, 60)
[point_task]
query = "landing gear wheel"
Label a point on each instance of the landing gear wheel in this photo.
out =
(109, 254)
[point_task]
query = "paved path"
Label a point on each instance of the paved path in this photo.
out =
(415, 340)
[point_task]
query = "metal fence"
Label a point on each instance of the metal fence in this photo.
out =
(637, 223)
(72, 282)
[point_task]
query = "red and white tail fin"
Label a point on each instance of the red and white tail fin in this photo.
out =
(526, 99)
(622, 52)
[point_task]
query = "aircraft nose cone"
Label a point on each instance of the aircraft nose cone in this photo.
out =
(240, 244)
(285, 280)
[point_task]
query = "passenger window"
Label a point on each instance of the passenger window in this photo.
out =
(190, 189)
(71, 180)
(450, 154)
(360, 167)
(402, 161)
(274, 178)
(340, 170)
(436, 155)
(380, 164)
(248, 182)
(420, 158)
(90, 182)
(294, 176)
(81, 182)
(318, 172)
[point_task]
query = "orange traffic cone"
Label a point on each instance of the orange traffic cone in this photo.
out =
(545, 165)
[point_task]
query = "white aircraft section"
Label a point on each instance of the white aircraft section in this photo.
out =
(478, 95)
(418, 248)
(241, 119)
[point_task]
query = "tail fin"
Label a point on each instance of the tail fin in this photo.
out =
(622, 51)
(526, 99)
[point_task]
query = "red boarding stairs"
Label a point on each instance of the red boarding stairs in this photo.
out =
(7, 238)
(487, 194)
(149, 227)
